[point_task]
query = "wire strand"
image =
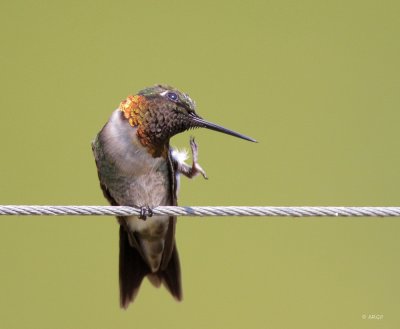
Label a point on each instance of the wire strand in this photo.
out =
(30, 210)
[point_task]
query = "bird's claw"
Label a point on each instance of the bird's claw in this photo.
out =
(198, 168)
(145, 212)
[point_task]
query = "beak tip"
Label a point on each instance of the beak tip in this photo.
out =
(247, 138)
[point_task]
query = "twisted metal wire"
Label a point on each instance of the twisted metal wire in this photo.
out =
(19, 210)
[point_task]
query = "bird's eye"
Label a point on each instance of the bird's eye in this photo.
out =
(172, 96)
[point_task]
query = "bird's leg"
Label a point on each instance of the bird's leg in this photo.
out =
(195, 169)
(145, 212)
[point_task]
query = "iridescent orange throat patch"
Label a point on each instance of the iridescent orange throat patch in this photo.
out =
(134, 109)
(131, 107)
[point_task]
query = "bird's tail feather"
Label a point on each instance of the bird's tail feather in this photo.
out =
(132, 270)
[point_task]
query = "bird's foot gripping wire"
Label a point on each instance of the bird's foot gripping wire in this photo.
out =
(145, 212)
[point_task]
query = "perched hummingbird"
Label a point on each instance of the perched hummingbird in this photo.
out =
(137, 167)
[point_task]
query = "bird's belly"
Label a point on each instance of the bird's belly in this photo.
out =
(141, 187)
(149, 190)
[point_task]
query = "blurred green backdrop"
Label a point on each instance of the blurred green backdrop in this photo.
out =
(316, 82)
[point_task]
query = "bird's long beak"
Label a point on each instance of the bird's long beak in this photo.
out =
(199, 122)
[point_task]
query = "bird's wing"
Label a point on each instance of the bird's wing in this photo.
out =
(107, 194)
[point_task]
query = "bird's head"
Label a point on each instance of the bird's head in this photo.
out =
(161, 112)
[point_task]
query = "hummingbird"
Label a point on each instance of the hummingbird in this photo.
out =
(137, 167)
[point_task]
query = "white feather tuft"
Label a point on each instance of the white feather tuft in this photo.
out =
(180, 155)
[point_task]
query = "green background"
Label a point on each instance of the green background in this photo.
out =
(316, 82)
